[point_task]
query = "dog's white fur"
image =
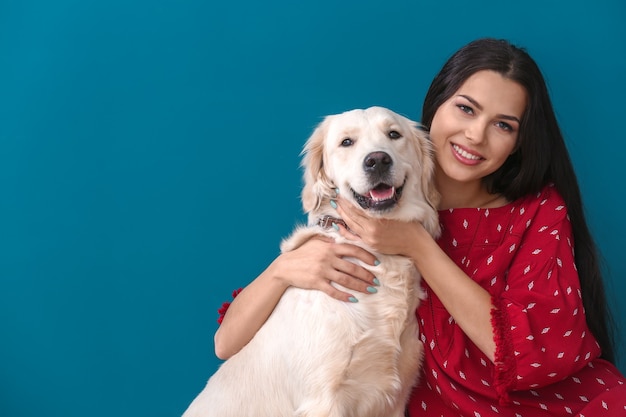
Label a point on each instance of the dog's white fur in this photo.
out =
(317, 356)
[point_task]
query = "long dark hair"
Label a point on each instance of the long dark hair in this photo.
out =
(541, 157)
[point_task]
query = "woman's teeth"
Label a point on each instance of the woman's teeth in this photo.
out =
(465, 154)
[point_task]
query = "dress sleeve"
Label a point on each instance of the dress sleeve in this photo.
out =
(224, 308)
(539, 323)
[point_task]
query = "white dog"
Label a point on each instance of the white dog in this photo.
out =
(317, 356)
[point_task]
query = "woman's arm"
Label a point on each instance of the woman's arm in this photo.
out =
(467, 302)
(314, 265)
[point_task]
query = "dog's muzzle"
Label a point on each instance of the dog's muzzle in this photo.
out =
(380, 198)
(384, 195)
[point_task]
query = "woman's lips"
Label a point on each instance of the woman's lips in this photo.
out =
(464, 156)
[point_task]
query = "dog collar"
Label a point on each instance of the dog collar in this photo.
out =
(326, 222)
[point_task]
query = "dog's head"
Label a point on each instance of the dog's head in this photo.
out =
(378, 160)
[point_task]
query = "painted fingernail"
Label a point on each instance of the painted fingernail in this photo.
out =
(337, 191)
(372, 290)
(376, 262)
(376, 281)
(335, 226)
(333, 204)
(353, 300)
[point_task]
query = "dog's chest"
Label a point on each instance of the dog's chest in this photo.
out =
(388, 311)
(399, 292)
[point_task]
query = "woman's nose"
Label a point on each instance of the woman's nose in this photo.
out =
(476, 132)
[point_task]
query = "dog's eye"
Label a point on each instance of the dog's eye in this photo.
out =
(394, 134)
(347, 142)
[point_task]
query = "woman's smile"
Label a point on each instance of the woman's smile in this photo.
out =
(465, 156)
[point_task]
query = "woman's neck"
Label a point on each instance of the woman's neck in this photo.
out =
(467, 195)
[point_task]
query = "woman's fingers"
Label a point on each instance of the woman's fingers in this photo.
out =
(355, 272)
(324, 265)
(332, 291)
(347, 250)
(348, 282)
(359, 227)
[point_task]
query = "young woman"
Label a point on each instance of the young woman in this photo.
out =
(515, 322)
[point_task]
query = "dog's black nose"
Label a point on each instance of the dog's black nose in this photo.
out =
(377, 162)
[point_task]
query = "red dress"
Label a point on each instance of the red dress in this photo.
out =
(547, 359)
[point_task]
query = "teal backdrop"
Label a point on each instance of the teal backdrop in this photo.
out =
(149, 164)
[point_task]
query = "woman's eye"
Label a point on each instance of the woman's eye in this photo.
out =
(465, 109)
(394, 134)
(347, 142)
(505, 126)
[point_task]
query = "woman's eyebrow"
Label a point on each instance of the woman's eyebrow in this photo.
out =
(479, 107)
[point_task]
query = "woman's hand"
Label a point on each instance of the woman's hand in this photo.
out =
(314, 265)
(391, 237)
(465, 300)
(320, 261)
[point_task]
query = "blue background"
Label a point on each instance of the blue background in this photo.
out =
(149, 164)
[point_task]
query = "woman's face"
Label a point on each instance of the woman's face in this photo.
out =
(476, 129)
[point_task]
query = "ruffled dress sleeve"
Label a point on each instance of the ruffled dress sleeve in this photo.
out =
(540, 329)
(224, 308)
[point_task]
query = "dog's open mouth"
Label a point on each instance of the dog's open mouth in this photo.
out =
(381, 197)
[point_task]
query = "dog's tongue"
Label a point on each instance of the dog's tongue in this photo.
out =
(382, 193)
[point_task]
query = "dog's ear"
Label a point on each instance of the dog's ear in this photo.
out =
(426, 156)
(316, 183)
